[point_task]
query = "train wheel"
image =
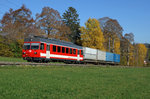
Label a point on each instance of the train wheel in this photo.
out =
(29, 60)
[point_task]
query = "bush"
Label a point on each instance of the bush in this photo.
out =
(10, 48)
(5, 51)
(16, 49)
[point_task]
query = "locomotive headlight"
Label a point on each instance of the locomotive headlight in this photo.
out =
(35, 52)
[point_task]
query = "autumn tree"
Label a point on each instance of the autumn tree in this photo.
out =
(129, 37)
(49, 20)
(112, 32)
(18, 24)
(148, 53)
(103, 21)
(0, 27)
(131, 55)
(127, 49)
(117, 46)
(63, 32)
(140, 52)
(91, 35)
(71, 19)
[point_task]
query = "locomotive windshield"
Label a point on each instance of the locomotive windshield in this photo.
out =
(26, 46)
(35, 45)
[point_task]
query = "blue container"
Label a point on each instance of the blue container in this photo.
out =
(116, 58)
(109, 57)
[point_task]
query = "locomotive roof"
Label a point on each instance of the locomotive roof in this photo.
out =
(53, 41)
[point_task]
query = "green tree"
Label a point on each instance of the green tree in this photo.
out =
(71, 19)
(91, 35)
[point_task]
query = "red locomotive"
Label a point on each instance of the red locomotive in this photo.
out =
(43, 50)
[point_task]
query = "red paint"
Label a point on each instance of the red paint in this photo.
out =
(31, 53)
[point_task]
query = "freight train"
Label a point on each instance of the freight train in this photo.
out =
(39, 49)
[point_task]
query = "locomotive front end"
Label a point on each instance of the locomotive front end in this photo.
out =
(31, 51)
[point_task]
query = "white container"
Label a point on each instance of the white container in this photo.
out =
(90, 53)
(89, 50)
(101, 55)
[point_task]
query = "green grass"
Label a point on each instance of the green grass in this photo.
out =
(12, 59)
(58, 82)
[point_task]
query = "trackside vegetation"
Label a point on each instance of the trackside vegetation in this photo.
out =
(62, 82)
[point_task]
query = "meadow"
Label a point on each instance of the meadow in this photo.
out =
(65, 82)
(11, 59)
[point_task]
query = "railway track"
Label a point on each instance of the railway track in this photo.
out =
(44, 64)
(59, 64)
(38, 64)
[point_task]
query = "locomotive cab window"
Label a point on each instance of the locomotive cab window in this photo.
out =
(26, 46)
(54, 48)
(42, 46)
(35, 46)
(48, 48)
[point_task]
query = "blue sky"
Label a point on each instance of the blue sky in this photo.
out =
(133, 15)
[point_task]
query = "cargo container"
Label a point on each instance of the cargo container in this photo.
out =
(109, 57)
(101, 55)
(116, 58)
(89, 53)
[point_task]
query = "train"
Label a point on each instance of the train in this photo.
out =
(40, 49)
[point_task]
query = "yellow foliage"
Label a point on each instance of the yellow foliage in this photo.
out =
(117, 46)
(20, 42)
(142, 51)
(91, 35)
(131, 55)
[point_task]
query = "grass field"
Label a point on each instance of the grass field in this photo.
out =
(56, 82)
(12, 59)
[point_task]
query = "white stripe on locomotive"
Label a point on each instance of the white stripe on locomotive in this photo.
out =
(61, 56)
